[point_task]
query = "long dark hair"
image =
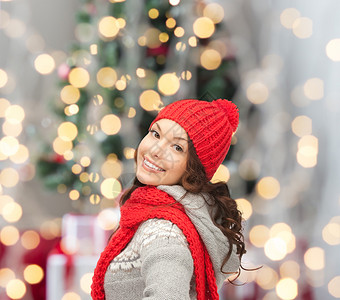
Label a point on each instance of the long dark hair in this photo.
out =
(226, 216)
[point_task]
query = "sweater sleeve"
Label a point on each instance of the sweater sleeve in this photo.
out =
(167, 265)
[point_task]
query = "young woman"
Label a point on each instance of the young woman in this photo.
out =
(180, 235)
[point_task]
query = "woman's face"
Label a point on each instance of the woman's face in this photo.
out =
(162, 154)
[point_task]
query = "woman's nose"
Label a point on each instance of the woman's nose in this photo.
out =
(158, 149)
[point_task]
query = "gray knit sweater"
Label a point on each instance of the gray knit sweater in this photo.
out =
(157, 263)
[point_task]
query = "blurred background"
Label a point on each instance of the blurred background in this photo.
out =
(80, 82)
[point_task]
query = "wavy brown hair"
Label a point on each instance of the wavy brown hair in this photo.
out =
(225, 214)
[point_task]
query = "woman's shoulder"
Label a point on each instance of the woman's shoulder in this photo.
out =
(159, 232)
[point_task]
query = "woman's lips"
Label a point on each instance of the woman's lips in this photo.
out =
(150, 166)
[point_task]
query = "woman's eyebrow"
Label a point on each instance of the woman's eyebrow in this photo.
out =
(176, 138)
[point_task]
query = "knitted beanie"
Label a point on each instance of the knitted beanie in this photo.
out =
(210, 126)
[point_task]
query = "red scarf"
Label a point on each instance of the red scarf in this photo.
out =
(145, 203)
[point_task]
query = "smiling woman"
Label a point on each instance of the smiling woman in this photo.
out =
(180, 235)
(162, 155)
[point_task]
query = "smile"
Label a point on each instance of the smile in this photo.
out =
(152, 166)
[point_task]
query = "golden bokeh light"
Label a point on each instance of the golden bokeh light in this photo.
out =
(94, 199)
(79, 77)
(5, 199)
(214, 12)
(287, 288)
(67, 131)
(152, 37)
(16, 289)
(110, 124)
(44, 64)
(111, 168)
(204, 27)
(71, 110)
(275, 249)
(120, 85)
(168, 84)
(331, 232)
(3, 78)
(307, 151)
(186, 75)
(50, 229)
(85, 283)
(69, 94)
(268, 187)
(33, 274)
(302, 125)
(153, 13)
(94, 177)
(290, 268)
(132, 112)
(6, 275)
(179, 31)
(110, 188)
(245, 207)
(278, 228)
(4, 104)
(303, 27)
(9, 145)
(60, 146)
(210, 59)
(74, 195)
(333, 49)
(314, 89)
(314, 258)
(267, 278)
(12, 129)
(170, 23)
(9, 235)
(192, 41)
(174, 2)
(334, 287)
(85, 161)
(257, 93)
(9, 177)
(106, 77)
(150, 100)
(163, 37)
(108, 219)
(121, 23)
(259, 235)
(108, 27)
(288, 17)
(129, 153)
(12, 212)
(30, 239)
(94, 49)
(84, 177)
(14, 114)
(71, 296)
(222, 174)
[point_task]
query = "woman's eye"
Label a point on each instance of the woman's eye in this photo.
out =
(154, 133)
(178, 148)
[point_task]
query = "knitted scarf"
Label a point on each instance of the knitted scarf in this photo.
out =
(145, 203)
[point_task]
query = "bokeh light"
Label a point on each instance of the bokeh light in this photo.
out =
(14, 114)
(333, 49)
(268, 187)
(9, 177)
(30, 239)
(12, 212)
(287, 288)
(222, 174)
(110, 124)
(314, 89)
(108, 27)
(150, 100)
(33, 274)
(168, 84)
(307, 151)
(106, 77)
(290, 268)
(334, 287)
(9, 235)
(204, 27)
(257, 93)
(302, 27)
(6, 275)
(44, 64)
(69, 94)
(79, 77)
(67, 131)
(275, 249)
(3, 78)
(244, 207)
(110, 188)
(85, 282)
(302, 125)
(314, 258)
(267, 278)
(214, 12)
(16, 289)
(71, 296)
(259, 235)
(288, 17)
(210, 59)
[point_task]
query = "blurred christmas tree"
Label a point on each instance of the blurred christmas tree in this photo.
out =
(130, 59)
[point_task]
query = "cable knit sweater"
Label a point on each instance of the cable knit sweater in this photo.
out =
(157, 263)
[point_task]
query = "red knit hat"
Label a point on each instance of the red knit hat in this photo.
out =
(210, 126)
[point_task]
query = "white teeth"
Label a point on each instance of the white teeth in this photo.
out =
(149, 164)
